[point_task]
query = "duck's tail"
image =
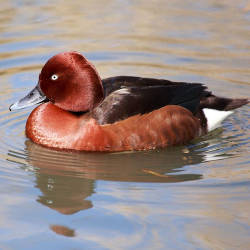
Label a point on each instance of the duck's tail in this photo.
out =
(216, 109)
(222, 103)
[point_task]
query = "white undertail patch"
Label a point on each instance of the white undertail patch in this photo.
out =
(215, 117)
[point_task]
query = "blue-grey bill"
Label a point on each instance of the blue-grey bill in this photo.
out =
(35, 96)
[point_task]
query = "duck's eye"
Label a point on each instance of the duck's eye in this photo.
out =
(54, 77)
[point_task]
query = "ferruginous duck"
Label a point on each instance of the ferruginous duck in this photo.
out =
(79, 111)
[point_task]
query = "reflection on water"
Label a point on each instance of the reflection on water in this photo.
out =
(67, 179)
(191, 197)
(114, 166)
(65, 231)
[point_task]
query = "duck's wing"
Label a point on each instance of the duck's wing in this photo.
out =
(128, 96)
(112, 84)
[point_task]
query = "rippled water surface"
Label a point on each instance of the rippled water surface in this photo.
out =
(192, 197)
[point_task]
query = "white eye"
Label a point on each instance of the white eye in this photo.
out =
(54, 77)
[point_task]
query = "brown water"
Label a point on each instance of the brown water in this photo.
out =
(192, 197)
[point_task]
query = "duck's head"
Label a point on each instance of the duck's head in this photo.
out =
(69, 81)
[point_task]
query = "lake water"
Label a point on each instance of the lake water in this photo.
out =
(191, 197)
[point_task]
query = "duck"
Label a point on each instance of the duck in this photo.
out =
(79, 111)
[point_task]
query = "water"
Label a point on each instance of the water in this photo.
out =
(192, 197)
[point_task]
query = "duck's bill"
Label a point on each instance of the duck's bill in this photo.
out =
(35, 96)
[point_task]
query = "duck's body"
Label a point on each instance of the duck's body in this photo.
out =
(54, 127)
(118, 113)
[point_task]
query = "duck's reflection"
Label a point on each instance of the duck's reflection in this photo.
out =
(65, 194)
(80, 168)
(66, 179)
